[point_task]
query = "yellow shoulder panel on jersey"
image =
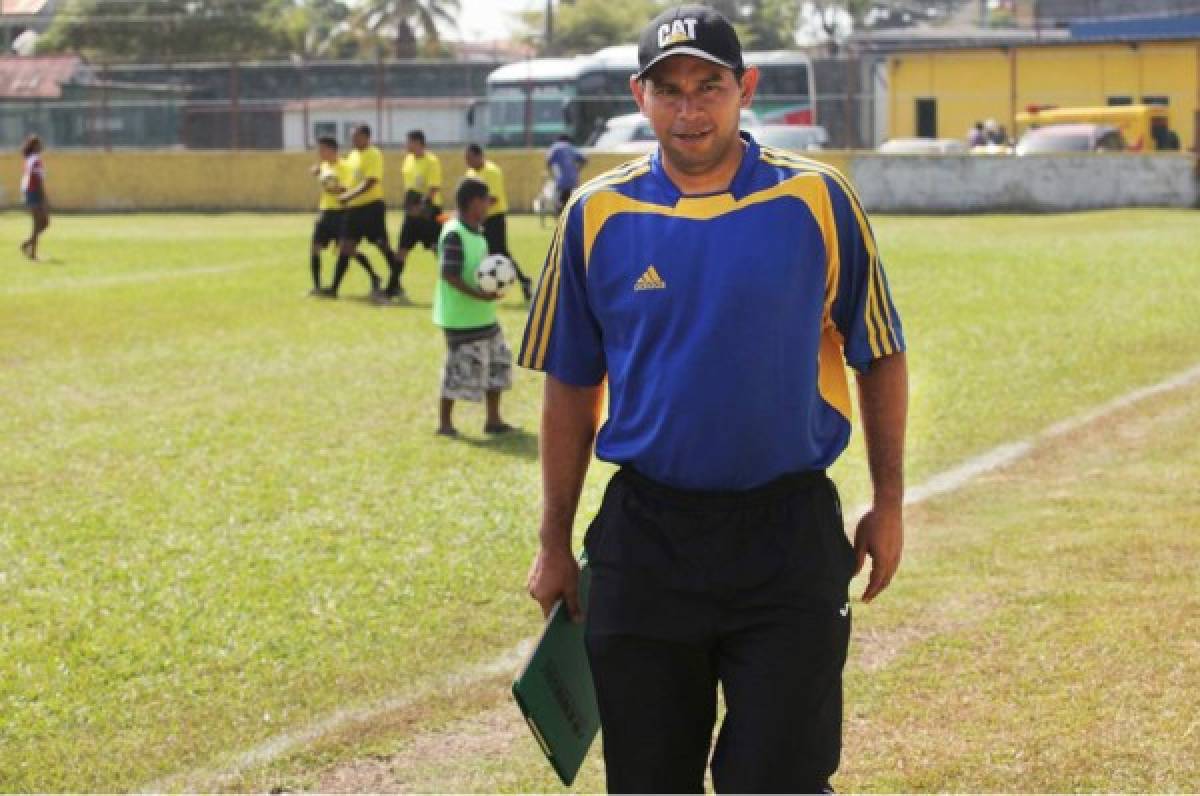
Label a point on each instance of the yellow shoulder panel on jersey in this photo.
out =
(879, 321)
(541, 318)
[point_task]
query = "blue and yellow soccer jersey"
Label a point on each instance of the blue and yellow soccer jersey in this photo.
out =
(721, 321)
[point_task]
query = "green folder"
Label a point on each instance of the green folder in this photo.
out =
(554, 690)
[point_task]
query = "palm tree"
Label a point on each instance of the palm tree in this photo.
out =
(398, 23)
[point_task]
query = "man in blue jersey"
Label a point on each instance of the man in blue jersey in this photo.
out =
(718, 288)
(564, 161)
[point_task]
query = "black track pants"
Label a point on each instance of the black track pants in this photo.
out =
(747, 590)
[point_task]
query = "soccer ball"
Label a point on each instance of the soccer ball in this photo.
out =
(495, 274)
(329, 182)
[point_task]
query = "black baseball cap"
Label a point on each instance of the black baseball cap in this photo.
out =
(690, 30)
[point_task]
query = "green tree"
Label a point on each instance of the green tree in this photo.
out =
(769, 24)
(855, 8)
(761, 24)
(587, 25)
(407, 28)
(312, 28)
(153, 29)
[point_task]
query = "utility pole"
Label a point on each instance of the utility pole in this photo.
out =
(549, 26)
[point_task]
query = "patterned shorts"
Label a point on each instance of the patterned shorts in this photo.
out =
(466, 363)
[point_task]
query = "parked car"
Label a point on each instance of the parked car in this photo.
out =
(923, 146)
(796, 137)
(1055, 138)
(1145, 128)
(632, 133)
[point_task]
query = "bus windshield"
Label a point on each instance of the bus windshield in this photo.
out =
(539, 106)
(531, 103)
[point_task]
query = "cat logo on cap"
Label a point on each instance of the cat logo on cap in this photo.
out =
(676, 32)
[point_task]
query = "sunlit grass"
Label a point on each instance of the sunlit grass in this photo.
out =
(223, 513)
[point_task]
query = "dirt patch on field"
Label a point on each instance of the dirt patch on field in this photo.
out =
(873, 649)
(490, 735)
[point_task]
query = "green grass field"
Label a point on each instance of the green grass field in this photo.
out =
(224, 516)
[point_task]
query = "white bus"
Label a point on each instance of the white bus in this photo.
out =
(531, 103)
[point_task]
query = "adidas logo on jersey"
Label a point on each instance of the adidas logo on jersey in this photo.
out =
(650, 280)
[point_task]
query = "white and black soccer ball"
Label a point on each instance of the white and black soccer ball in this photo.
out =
(495, 274)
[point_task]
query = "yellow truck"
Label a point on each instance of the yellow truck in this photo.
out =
(1144, 127)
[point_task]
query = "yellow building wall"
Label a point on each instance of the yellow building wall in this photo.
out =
(971, 88)
(172, 180)
(1068, 77)
(971, 85)
(1120, 73)
(1175, 71)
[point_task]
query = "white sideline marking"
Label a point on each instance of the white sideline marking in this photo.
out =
(280, 745)
(939, 484)
(1002, 455)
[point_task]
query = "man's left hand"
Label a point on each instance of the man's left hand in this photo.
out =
(880, 535)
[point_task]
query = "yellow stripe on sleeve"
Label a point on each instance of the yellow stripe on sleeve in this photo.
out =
(543, 292)
(541, 323)
(878, 319)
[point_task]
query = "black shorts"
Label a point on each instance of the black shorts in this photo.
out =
(746, 591)
(423, 229)
(495, 232)
(329, 227)
(367, 222)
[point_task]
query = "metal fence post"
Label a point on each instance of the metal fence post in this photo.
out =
(304, 91)
(379, 97)
(233, 104)
(104, 137)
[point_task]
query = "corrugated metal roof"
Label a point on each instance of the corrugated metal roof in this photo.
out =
(36, 77)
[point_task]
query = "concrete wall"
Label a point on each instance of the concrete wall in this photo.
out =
(221, 181)
(166, 180)
(442, 119)
(974, 183)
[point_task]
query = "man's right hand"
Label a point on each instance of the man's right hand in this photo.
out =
(554, 575)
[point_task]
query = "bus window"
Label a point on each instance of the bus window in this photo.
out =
(792, 82)
(592, 83)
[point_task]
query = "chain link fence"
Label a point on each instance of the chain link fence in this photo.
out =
(286, 105)
(264, 105)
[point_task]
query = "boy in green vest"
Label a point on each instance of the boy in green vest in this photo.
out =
(478, 361)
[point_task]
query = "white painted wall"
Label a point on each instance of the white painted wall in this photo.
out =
(444, 121)
(977, 183)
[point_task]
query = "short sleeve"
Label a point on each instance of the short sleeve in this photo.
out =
(863, 311)
(450, 252)
(562, 336)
